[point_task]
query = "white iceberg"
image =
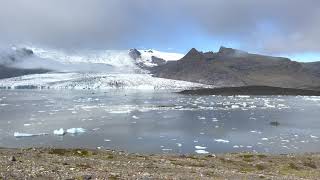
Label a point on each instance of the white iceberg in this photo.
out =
(76, 130)
(59, 132)
(200, 147)
(19, 135)
(199, 151)
(221, 141)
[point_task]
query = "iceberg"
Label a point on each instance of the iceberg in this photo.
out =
(59, 132)
(221, 141)
(20, 135)
(76, 130)
(201, 151)
(200, 147)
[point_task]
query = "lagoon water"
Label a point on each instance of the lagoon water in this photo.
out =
(160, 121)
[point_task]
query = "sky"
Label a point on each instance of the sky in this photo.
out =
(273, 27)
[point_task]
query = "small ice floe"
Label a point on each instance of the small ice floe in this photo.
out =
(59, 132)
(221, 141)
(200, 147)
(106, 140)
(120, 112)
(76, 130)
(179, 144)
(135, 117)
(201, 118)
(249, 147)
(200, 151)
(236, 146)
(215, 120)
(314, 137)
(264, 139)
(166, 149)
(235, 106)
(20, 135)
(4, 105)
(26, 125)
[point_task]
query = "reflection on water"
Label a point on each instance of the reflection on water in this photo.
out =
(160, 122)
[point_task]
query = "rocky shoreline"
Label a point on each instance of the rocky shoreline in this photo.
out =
(49, 163)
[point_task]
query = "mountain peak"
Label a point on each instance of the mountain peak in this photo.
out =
(193, 54)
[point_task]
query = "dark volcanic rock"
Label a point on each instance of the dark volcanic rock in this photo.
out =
(8, 72)
(158, 61)
(193, 54)
(134, 54)
(20, 54)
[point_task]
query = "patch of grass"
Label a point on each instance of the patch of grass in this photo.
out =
(294, 166)
(110, 156)
(246, 169)
(247, 157)
(261, 156)
(114, 176)
(260, 167)
(67, 152)
(310, 164)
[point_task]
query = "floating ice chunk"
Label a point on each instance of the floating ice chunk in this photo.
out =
(76, 130)
(235, 106)
(135, 117)
(221, 141)
(285, 140)
(200, 147)
(120, 112)
(179, 144)
(201, 118)
(26, 125)
(19, 135)
(235, 146)
(59, 132)
(199, 151)
(264, 139)
(314, 137)
(107, 140)
(4, 105)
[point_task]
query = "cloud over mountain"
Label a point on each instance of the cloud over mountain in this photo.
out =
(273, 26)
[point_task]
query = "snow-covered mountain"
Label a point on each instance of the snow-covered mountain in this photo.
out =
(94, 70)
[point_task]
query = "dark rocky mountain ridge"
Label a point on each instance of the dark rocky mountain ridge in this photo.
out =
(232, 67)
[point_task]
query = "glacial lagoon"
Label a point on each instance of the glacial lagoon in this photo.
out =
(159, 121)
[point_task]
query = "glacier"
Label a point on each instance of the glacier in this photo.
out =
(105, 69)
